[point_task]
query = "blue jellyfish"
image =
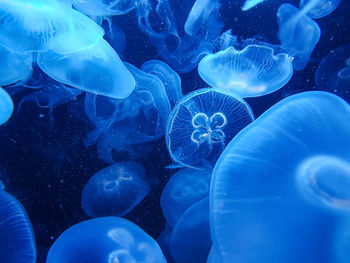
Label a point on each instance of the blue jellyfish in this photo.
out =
(280, 190)
(333, 73)
(115, 190)
(318, 8)
(184, 188)
(6, 106)
(201, 125)
(298, 34)
(140, 118)
(18, 243)
(190, 240)
(37, 25)
(248, 4)
(170, 79)
(251, 72)
(114, 239)
(97, 69)
(104, 7)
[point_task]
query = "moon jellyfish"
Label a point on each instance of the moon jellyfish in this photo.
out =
(190, 240)
(184, 188)
(104, 7)
(251, 72)
(202, 123)
(293, 163)
(6, 106)
(319, 8)
(96, 69)
(298, 34)
(170, 79)
(333, 73)
(18, 243)
(248, 4)
(115, 190)
(114, 239)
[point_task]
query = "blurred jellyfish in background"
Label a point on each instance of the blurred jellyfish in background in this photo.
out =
(248, 4)
(333, 73)
(104, 7)
(114, 239)
(251, 72)
(190, 240)
(115, 190)
(170, 79)
(201, 125)
(140, 118)
(184, 188)
(293, 163)
(318, 8)
(16, 232)
(298, 34)
(6, 106)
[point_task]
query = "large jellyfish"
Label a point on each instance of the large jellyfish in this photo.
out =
(96, 69)
(16, 233)
(319, 8)
(251, 72)
(104, 7)
(280, 190)
(114, 239)
(201, 125)
(170, 79)
(6, 106)
(115, 190)
(184, 188)
(333, 73)
(298, 34)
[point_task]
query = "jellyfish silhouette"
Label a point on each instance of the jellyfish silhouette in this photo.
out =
(251, 72)
(115, 190)
(114, 239)
(190, 240)
(248, 4)
(96, 69)
(104, 7)
(293, 163)
(298, 34)
(6, 106)
(170, 79)
(319, 8)
(184, 188)
(18, 243)
(333, 73)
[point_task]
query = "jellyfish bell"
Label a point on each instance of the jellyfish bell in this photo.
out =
(318, 8)
(6, 106)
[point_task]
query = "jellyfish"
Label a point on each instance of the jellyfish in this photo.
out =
(6, 106)
(104, 7)
(251, 72)
(170, 79)
(18, 242)
(333, 73)
(114, 239)
(190, 240)
(288, 171)
(115, 190)
(298, 34)
(201, 125)
(248, 4)
(184, 188)
(319, 8)
(39, 25)
(96, 69)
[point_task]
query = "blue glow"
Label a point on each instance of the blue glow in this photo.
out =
(248, 4)
(6, 106)
(104, 7)
(319, 8)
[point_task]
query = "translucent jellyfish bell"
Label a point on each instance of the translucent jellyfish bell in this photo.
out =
(202, 123)
(6, 106)
(251, 72)
(293, 163)
(114, 239)
(115, 190)
(104, 7)
(319, 8)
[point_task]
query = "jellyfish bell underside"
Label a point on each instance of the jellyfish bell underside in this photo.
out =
(319, 8)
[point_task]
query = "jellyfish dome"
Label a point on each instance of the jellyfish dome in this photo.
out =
(104, 7)
(293, 163)
(184, 188)
(202, 123)
(16, 232)
(114, 239)
(115, 190)
(251, 72)
(6, 106)
(319, 8)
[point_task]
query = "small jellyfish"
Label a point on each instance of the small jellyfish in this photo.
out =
(104, 7)
(16, 232)
(248, 4)
(105, 239)
(170, 79)
(184, 188)
(298, 34)
(288, 171)
(115, 190)
(251, 72)
(201, 125)
(6, 106)
(96, 69)
(318, 8)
